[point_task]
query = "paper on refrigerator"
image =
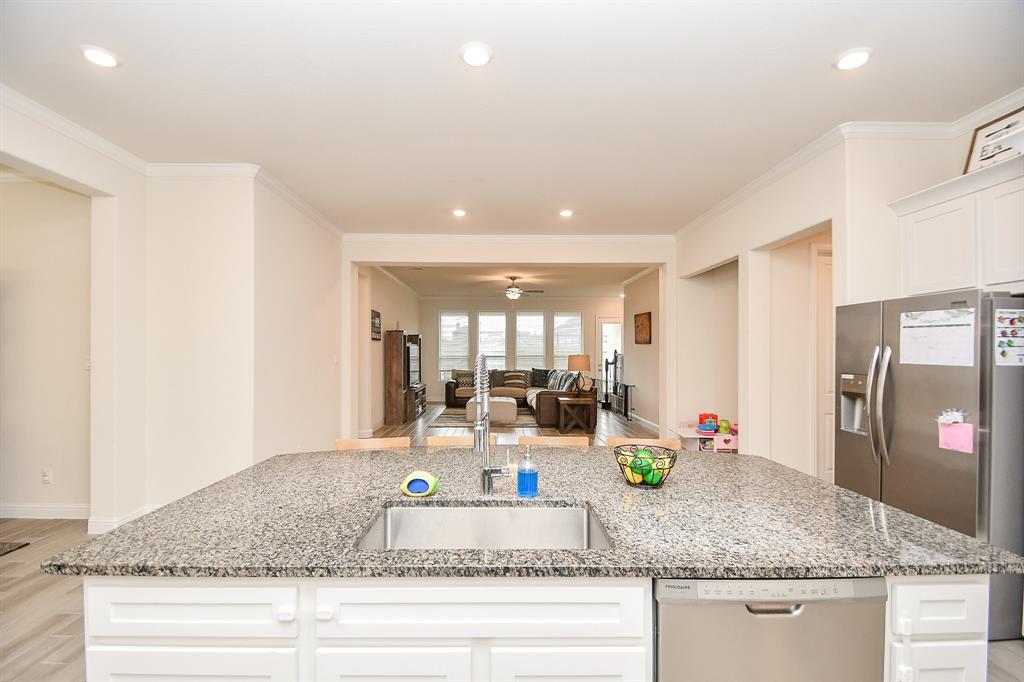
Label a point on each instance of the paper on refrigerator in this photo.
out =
(1008, 338)
(938, 337)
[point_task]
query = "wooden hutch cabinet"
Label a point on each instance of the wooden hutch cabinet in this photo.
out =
(405, 394)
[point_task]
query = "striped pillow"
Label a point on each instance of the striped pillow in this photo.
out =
(463, 378)
(515, 378)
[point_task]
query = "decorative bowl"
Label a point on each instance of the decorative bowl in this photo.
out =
(644, 466)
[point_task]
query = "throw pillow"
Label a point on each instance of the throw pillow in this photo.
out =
(463, 378)
(584, 383)
(539, 377)
(555, 379)
(568, 382)
(496, 377)
(515, 378)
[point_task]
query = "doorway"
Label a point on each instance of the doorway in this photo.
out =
(823, 319)
(609, 339)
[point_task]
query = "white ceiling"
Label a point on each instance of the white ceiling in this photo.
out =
(568, 280)
(637, 115)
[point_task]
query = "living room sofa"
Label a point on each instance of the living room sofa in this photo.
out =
(541, 400)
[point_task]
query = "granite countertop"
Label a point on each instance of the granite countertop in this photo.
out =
(717, 516)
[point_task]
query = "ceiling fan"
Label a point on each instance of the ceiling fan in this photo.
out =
(513, 292)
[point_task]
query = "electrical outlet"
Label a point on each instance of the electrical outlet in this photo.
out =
(47, 475)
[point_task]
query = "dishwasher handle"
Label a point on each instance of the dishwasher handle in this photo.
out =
(775, 609)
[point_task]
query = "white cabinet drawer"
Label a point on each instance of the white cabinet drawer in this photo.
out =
(938, 662)
(409, 664)
(951, 609)
(105, 663)
(512, 664)
(117, 611)
(486, 611)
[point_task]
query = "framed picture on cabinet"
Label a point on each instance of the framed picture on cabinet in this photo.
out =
(374, 325)
(996, 141)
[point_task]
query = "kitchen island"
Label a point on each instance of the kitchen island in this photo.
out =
(262, 573)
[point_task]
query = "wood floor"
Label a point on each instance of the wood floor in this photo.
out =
(609, 424)
(41, 615)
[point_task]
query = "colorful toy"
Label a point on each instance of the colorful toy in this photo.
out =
(724, 426)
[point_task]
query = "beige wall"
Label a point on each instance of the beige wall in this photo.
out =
(399, 308)
(44, 350)
(708, 343)
(792, 347)
(430, 309)
(41, 142)
(297, 321)
(642, 362)
(199, 378)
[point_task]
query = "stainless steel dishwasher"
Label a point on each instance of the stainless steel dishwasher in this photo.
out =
(779, 630)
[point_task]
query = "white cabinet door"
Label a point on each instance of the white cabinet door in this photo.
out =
(408, 664)
(540, 664)
(1002, 232)
(252, 664)
(939, 247)
(938, 661)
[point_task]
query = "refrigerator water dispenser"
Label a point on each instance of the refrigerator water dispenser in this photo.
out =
(853, 404)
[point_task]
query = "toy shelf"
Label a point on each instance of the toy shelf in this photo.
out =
(695, 441)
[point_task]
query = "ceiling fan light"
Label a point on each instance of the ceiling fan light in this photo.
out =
(512, 293)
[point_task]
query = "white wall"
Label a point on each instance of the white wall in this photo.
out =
(399, 308)
(592, 308)
(708, 343)
(642, 363)
(44, 350)
(40, 141)
(297, 321)
(792, 346)
(200, 353)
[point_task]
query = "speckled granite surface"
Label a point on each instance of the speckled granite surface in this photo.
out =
(717, 516)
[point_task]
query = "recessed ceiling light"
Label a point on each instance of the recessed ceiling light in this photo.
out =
(476, 53)
(622, 295)
(458, 213)
(100, 57)
(852, 59)
(565, 213)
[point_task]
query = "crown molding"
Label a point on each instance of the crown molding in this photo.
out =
(14, 100)
(297, 202)
(394, 278)
(202, 170)
(393, 237)
(993, 110)
(862, 130)
(643, 273)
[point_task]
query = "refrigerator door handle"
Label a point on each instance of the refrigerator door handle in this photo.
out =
(868, 397)
(883, 375)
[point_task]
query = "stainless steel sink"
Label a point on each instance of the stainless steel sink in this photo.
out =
(490, 527)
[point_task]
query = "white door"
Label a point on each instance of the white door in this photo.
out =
(544, 664)
(825, 366)
(406, 663)
(252, 664)
(609, 340)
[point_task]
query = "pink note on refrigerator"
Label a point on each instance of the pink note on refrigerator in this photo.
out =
(958, 437)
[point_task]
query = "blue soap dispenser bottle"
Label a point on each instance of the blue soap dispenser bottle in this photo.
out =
(526, 476)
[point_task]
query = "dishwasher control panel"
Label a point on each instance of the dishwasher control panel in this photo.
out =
(751, 591)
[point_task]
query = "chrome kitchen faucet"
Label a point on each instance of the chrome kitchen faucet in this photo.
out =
(482, 427)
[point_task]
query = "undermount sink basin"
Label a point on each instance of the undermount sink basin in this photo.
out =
(492, 527)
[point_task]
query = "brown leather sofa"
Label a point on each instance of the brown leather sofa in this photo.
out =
(543, 402)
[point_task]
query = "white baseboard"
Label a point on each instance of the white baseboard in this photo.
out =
(368, 433)
(33, 510)
(98, 525)
(646, 423)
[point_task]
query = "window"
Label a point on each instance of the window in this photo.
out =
(529, 340)
(568, 337)
(490, 338)
(452, 344)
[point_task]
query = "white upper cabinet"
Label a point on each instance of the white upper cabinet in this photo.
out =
(967, 232)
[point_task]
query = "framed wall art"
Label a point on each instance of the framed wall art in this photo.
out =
(374, 325)
(996, 141)
(642, 328)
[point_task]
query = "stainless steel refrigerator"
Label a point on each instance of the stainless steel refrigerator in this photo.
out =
(899, 365)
